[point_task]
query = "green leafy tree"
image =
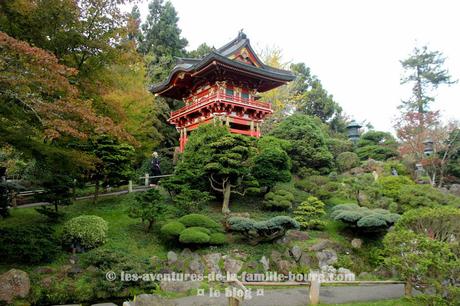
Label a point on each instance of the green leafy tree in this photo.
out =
(114, 162)
(364, 219)
(272, 164)
(309, 214)
(162, 40)
(347, 160)
(376, 145)
(149, 207)
(419, 260)
(201, 51)
(191, 200)
(424, 70)
(259, 231)
(57, 191)
(308, 142)
(309, 95)
(229, 167)
(418, 196)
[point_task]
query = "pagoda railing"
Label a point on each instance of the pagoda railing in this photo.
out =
(221, 97)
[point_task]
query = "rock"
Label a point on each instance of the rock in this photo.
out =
(296, 252)
(320, 245)
(356, 243)
(46, 282)
(295, 235)
(232, 265)
(44, 270)
(172, 257)
(14, 283)
(455, 189)
(150, 300)
(186, 253)
(343, 271)
(196, 266)
(328, 269)
(238, 254)
(265, 263)
(304, 260)
(75, 270)
(326, 257)
(73, 259)
(92, 269)
(65, 269)
(155, 261)
(284, 266)
(275, 256)
(252, 265)
(179, 286)
(211, 262)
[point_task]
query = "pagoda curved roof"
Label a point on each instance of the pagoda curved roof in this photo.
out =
(227, 57)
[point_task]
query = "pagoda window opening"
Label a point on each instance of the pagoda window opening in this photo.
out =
(229, 92)
(245, 95)
(241, 127)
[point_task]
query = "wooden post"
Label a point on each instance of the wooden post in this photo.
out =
(74, 192)
(130, 186)
(233, 301)
(146, 180)
(314, 291)
(14, 202)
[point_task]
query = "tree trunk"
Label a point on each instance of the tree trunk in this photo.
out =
(227, 193)
(149, 226)
(408, 288)
(96, 192)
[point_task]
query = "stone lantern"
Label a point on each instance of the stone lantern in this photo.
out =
(428, 149)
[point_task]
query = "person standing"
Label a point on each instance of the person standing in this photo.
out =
(155, 169)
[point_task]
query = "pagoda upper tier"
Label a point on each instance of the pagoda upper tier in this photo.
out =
(222, 85)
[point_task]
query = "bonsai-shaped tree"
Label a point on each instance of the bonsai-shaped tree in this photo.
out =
(278, 199)
(309, 213)
(258, 231)
(149, 207)
(363, 218)
(229, 167)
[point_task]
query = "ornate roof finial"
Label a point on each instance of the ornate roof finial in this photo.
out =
(241, 34)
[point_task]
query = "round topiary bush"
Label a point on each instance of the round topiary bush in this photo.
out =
(217, 239)
(202, 229)
(89, 231)
(278, 200)
(172, 229)
(193, 236)
(201, 221)
(347, 160)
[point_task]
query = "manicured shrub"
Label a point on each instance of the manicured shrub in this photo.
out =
(89, 231)
(391, 185)
(363, 218)
(417, 196)
(217, 239)
(193, 236)
(27, 244)
(259, 231)
(278, 200)
(172, 229)
(190, 200)
(201, 229)
(347, 160)
(149, 207)
(309, 214)
(199, 220)
(319, 186)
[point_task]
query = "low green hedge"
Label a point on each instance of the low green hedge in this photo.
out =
(89, 231)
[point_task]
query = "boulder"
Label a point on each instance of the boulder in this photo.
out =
(179, 286)
(238, 254)
(232, 265)
(252, 265)
(326, 257)
(211, 262)
(275, 256)
(320, 245)
(265, 263)
(284, 266)
(150, 300)
(328, 269)
(293, 235)
(186, 253)
(196, 266)
(455, 189)
(172, 257)
(356, 243)
(14, 283)
(304, 260)
(296, 252)
(44, 270)
(155, 261)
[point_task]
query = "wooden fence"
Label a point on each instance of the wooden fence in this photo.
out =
(314, 288)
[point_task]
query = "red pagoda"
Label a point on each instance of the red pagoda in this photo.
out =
(222, 87)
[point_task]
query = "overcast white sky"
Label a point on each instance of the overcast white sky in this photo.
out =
(354, 47)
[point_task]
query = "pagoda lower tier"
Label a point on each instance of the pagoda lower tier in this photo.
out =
(241, 115)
